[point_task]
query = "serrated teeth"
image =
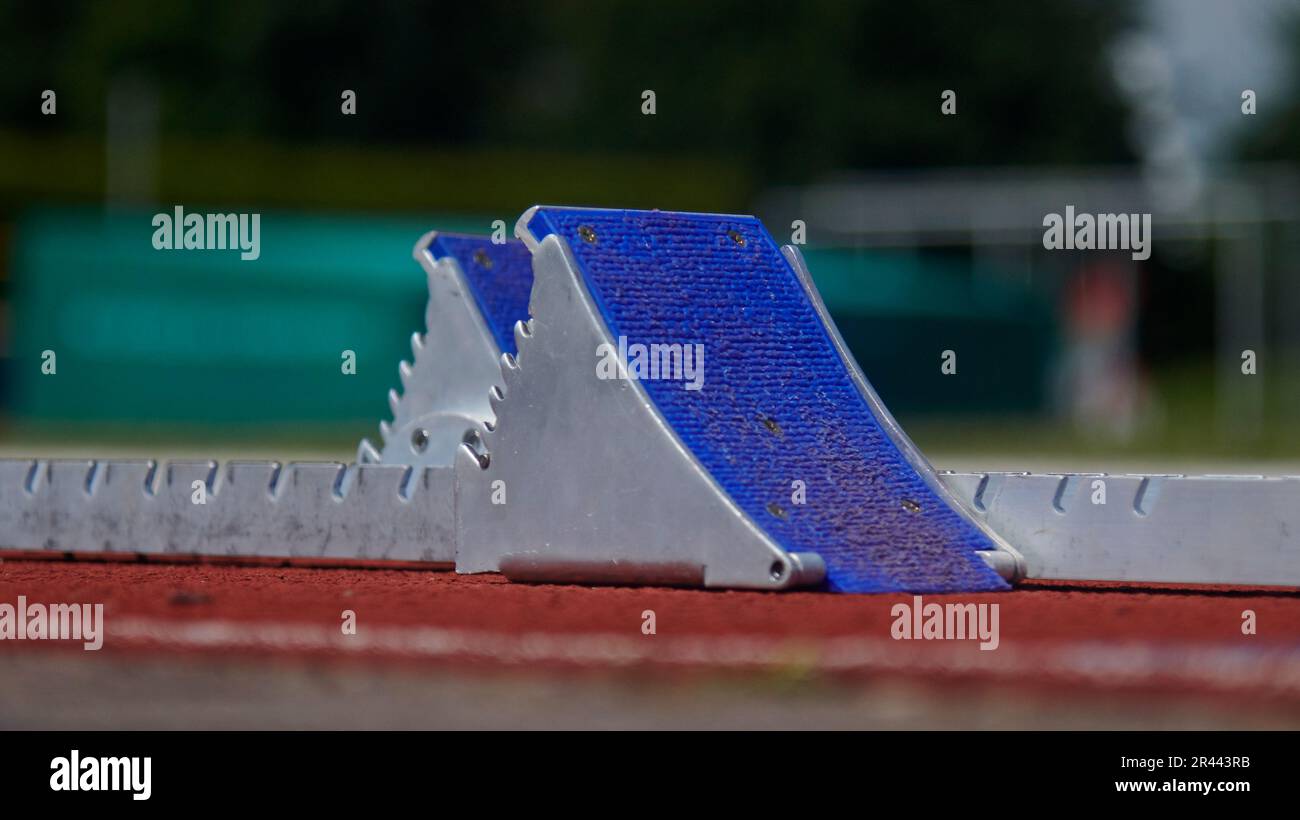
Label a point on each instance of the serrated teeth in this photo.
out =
(394, 401)
(523, 332)
(367, 453)
(404, 372)
(385, 430)
(417, 343)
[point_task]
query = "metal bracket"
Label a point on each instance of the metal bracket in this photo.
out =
(583, 481)
(444, 396)
(627, 498)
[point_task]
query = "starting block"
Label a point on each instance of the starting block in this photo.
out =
(648, 397)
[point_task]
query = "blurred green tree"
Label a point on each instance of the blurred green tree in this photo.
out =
(786, 90)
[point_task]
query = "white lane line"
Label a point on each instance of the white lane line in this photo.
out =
(1274, 669)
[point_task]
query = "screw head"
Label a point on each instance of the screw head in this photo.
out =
(737, 237)
(771, 425)
(588, 235)
(776, 510)
(482, 259)
(777, 570)
(911, 506)
(419, 440)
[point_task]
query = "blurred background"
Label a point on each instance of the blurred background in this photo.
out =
(924, 229)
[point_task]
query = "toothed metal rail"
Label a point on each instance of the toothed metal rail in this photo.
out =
(1168, 528)
(244, 508)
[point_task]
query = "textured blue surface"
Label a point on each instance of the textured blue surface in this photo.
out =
(778, 404)
(500, 277)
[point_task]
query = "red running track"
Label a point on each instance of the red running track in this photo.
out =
(1051, 637)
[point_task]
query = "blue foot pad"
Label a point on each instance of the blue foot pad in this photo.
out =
(777, 405)
(500, 277)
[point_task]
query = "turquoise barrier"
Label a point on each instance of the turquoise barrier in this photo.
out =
(899, 311)
(142, 335)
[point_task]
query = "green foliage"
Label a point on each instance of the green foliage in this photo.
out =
(783, 91)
